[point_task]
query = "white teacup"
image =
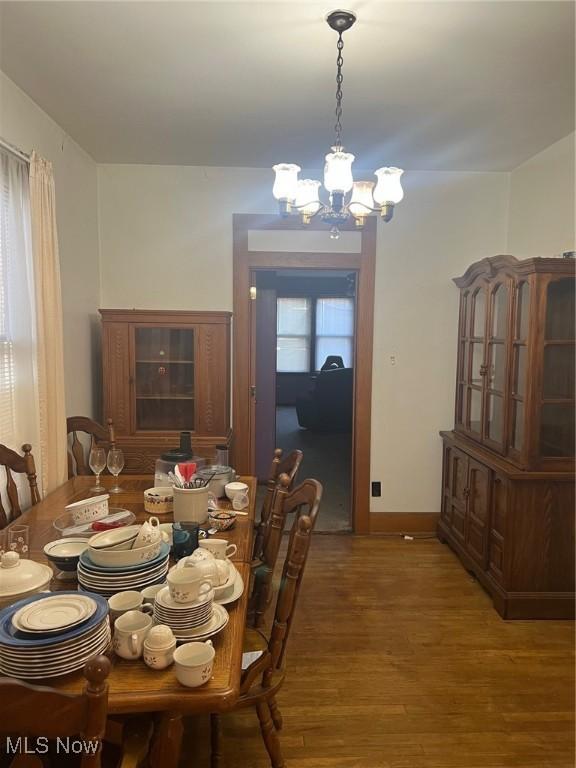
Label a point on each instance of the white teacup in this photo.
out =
(193, 663)
(149, 533)
(200, 554)
(216, 571)
(130, 631)
(130, 600)
(186, 586)
(149, 594)
(219, 548)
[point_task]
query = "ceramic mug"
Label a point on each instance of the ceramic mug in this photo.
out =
(219, 548)
(193, 663)
(130, 631)
(186, 586)
(129, 600)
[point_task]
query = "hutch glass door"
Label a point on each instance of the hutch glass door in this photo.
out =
(557, 415)
(164, 378)
(495, 373)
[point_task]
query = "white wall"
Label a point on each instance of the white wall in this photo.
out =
(166, 242)
(542, 204)
(25, 125)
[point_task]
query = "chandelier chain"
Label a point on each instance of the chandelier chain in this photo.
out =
(339, 79)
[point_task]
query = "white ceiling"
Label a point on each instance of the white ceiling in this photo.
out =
(427, 85)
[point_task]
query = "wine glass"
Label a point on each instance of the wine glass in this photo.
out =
(115, 465)
(97, 461)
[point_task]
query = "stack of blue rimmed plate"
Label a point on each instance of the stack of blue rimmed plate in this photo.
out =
(107, 580)
(51, 635)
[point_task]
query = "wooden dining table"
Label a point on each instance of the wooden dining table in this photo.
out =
(134, 688)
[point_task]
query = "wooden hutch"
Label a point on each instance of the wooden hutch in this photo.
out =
(508, 465)
(164, 372)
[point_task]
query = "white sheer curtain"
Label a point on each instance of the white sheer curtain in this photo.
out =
(48, 303)
(18, 377)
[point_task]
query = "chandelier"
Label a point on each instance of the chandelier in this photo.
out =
(301, 196)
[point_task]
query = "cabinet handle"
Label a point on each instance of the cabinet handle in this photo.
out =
(466, 492)
(483, 370)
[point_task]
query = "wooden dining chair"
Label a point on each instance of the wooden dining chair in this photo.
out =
(36, 711)
(263, 569)
(25, 465)
(288, 465)
(78, 456)
(31, 712)
(264, 677)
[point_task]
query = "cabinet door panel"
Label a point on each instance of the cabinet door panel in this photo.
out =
(478, 513)
(457, 492)
(117, 375)
(212, 385)
(497, 537)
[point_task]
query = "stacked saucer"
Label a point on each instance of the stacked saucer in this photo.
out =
(44, 636)
(107, 580)
(197, 620)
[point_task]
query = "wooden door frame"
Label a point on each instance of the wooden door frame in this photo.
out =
(364, 264)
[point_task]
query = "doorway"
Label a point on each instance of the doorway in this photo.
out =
(305, 348)
(264, 243)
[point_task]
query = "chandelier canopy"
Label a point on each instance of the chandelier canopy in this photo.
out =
(346, 197)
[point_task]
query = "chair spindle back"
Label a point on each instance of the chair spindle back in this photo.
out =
(13, 462)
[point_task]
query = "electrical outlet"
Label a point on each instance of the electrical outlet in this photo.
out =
(377, 488)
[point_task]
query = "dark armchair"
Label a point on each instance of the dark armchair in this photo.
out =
(328, 408)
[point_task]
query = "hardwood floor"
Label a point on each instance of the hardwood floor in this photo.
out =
(398, 660)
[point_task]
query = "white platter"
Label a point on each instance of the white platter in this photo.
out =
(54, 613)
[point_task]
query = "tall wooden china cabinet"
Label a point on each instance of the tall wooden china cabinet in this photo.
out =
(508, 465)
(164, 372)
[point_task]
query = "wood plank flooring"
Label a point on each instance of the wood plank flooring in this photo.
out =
(398, 660)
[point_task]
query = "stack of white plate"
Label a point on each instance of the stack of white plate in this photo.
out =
(49, 636)
(107, 580)
(198, 620)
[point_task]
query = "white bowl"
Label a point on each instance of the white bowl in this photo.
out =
(234, 489)
(159, 501)
(119, 557)
(116, 538)
(89, 510)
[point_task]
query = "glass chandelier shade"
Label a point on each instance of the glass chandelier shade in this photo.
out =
(286, 181)
(361, 202)
(338, 171)
(307, 197)
(388, 187)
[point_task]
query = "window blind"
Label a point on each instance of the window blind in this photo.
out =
(7, 378)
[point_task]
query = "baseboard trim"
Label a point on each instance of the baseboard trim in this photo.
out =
(403, 522)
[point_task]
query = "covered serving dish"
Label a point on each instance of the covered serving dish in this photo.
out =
(21, 578)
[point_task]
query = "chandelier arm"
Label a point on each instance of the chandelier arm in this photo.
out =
(368, 208)
(308, 203)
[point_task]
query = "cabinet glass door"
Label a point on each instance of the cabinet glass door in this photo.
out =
(519, 366)
(164, 378)
(496, 368)
(474, 375)
(557, 415)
